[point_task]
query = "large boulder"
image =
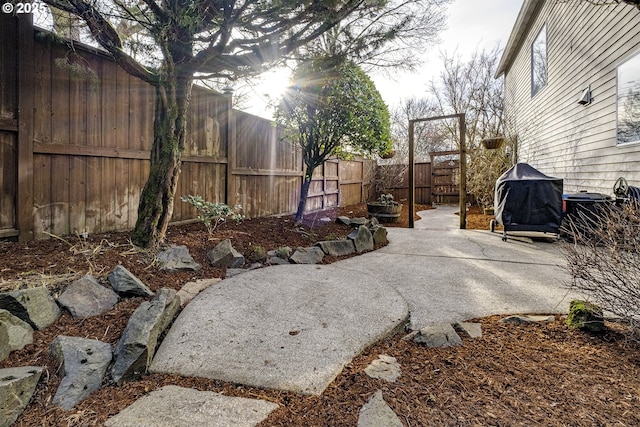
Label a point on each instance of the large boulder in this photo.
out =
(16, 388)
(86, 297)
(177, 258)
(34, 306)
(224, 255)
(84, 363)
(136, 347)
(19, 333)
(124, 282)
(362, 239)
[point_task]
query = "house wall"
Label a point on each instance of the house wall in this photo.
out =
(585, 44)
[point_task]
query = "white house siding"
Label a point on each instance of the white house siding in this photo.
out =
(585, 44)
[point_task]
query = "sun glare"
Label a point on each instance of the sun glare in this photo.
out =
(273, 83)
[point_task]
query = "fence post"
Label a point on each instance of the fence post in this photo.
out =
(24, 191)
(229, 132)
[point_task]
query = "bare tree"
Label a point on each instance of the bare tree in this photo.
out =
(190, 39)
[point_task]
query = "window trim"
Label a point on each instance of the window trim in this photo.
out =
(535, 86)
(634, 57)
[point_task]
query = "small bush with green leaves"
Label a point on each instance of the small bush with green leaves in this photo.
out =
(212, 214)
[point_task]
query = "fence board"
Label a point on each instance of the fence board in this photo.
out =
(90, 148)
(8, 171)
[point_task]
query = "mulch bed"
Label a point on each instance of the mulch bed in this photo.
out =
(514, 375)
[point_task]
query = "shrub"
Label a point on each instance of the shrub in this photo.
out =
(258, 254)
(212, 214)
(603, 260)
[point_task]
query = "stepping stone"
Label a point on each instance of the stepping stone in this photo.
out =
(173, 406)
(377, 413)
(528, 319)
(438, 336)
(384, 368)
(316, 325)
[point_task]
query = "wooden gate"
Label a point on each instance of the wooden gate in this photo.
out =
(445, 177)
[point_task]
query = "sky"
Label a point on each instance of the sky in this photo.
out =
(471, 25)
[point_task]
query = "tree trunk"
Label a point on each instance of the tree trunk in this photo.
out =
(156, 201)
(304, 192)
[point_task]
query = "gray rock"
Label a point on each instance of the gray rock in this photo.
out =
(337, 247)
(357, 222)
(5, 349)
(312, 255)
(442, 335)
(191, 289)
(362, 239)
(224, 255)
(235, 271)
(276, 260)
(384, 368)
(282, 252)
(86, 297)
(380, 235)
(473, 330)
(377, 413)
(136, 347)
(325, 219)
(585, 315)
(16, 388)
(173, 406)
(84, 363)
(343, 220)
(177, 258)
(528, 319)
(373, 223)
(124, 282)
(19, 333)
(35, 306)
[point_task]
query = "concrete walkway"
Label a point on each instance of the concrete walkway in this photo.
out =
(447, 274)
(294, 327)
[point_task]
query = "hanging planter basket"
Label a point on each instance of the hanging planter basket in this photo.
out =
(492, 143)
(388, 154)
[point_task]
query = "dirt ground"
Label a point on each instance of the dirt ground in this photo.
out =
(513, 376)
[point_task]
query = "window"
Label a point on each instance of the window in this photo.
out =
(629, 100)
(539, 61)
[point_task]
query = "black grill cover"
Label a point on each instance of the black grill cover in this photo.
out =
(528, 200)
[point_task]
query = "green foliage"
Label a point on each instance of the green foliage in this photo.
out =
(212, 214)
(258, 254)
(283, 252)
(387, 199)
(334, 109)
(585, 315)
(484, 168)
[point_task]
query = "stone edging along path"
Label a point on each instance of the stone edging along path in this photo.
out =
(85, 362)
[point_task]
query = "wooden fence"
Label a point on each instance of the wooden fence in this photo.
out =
(397, 174)
(75, 149)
